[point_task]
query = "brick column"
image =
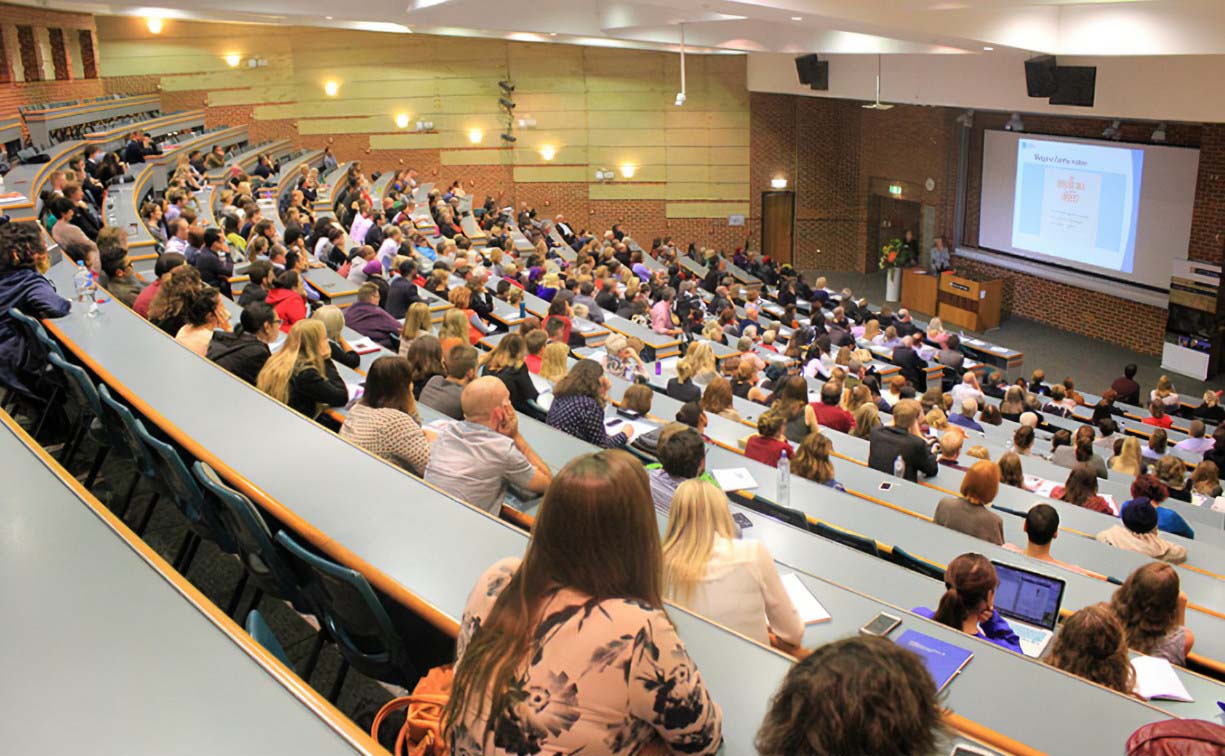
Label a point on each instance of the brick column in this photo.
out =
(31, 58)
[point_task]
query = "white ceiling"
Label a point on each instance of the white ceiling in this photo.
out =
(1067, 27)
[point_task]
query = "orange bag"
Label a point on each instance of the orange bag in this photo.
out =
(422, 733)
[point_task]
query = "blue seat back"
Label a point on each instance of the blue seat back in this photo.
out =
(264, 561)
(174, 476)
(79, 386)
(846, 538)
(258, 629)
(353, 616)
(121, 424)
(903, 558)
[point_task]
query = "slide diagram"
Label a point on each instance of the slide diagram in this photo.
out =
(1077, 202)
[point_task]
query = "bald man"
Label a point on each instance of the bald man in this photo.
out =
(476, 458)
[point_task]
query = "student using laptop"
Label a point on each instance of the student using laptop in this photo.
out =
(1041, 527)
(1031, 601)
(968, 603)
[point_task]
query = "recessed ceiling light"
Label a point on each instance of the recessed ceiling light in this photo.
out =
(327, 18)
(988, 49)
(797, 18)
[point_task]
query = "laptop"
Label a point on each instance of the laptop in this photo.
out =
(1030, 600)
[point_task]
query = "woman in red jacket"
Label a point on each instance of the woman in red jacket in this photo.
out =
(288, 298)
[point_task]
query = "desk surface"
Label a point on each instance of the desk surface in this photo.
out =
(136, 663)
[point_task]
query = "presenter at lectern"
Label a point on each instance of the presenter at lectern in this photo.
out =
(940, 257)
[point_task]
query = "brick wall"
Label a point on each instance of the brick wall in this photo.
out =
(16, 93)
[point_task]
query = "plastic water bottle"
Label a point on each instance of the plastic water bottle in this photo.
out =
(659, 367)
(899, 467)
(522, 309)
(784, 480)
(86, 288)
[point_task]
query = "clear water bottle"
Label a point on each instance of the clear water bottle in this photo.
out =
(899, 467)
(784, 480)
(86, 288)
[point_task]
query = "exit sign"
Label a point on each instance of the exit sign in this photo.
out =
(895, 190)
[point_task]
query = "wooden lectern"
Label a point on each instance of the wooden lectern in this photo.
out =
(970, 304)
(919, 289)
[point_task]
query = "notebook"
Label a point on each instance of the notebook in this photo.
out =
(1030, 601)
(943, 660)
(811, 611)
(364, 345)
(734, 478)
(1156, 678)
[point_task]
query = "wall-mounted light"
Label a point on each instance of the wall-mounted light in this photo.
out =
(778, 183)
(425, 125)
(527, 122)
(602, 174)
(548, 152)
(233, 60)
(475, 136)
(402, 120)
(628, 169)
(155, 24)
(331, 87)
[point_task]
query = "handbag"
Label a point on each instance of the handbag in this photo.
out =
(1178, 737)
(422, 733)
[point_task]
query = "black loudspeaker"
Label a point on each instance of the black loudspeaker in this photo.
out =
(1040, 76)
(813, 72)
(1075, 85)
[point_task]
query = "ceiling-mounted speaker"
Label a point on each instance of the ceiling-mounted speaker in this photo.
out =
(1040, 76)
(813, 71)
(1075, 85)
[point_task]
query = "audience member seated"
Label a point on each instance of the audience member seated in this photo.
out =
(1011, 472)
(969, 512)
(333, 320)
(1080, 451)
(590, 579)
(443, 392)
(1157, 415)
(717, 400)
(1155, 449)
(708, 570)
(418, 322)
(812, 461)
(1125, 388)
(681, 452)
(1041, 527)
(23, 261)
(167, 262)
(638, 399)
(950, 449)
(578, 406)
(1153, 612)
(385, 421)
(1138, 532)
(1205, 480)
(1216, 455)
(535, 342)
(1023, 440)
(403, 292)
(964, 417)
(1091, 644)
(121, 279)
(861, 695)
(425, 355)
(367, 318)
(288, 298)
(477, 458)
(682, 388)
(867, 419)
(1210, 411)
(168, 309)
(968, 603)
(244, 351)
(1172, 472)
(827, 412)
(203, 313)
(1165, 394)
(506, 362)
(1195, 443)
(554, 361)
(620, 360)
(1129, 459)
(902, 442)
(770, 442)
(1080, 489)
(301, 374)
(214, 262)
(1155, 490)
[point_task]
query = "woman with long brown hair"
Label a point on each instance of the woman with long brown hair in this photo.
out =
(717, 399)
(1091, 644)
(1081, 489)
(968, 603)
(812, 461)
(1153, 612)
(168, 310)
(566, 649)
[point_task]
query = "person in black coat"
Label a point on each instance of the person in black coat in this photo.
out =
(214, 262)
(244, 351)
(402, 292)
(258, 274)
(903, 440)
(506, 362)
(912, 365)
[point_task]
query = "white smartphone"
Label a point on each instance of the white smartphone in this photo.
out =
(881, 625)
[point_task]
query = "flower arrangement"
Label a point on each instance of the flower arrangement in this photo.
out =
(894, 255)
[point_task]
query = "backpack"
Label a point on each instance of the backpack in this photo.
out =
(1178, 737)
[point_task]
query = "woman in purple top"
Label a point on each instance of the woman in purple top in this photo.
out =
(968, 603)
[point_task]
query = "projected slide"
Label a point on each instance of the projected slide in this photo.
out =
(1078, 202)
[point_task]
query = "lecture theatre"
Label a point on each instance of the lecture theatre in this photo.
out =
(613, 377)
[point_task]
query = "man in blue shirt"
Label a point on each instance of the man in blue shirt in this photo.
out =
(965, 418)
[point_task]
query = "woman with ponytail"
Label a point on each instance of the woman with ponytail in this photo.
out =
(968, 603)
(569, 649)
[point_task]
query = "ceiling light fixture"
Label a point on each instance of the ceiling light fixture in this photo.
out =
(680, 96)
(155, 24)
(548, 152)
(988, 49)
(402, 120)
(877, 104)
(475, 136)
(1015, 123)
(1159, 132)
(331, 87)
(628, 170)
(233, 59)
(797, 18)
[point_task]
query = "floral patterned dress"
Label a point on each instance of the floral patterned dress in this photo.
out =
(605, 678)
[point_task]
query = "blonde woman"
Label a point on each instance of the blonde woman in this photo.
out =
(553, 362)
(867, 419)
(936, 333)
(701, 358)
(1165, 394)
(454, 330)
(301, 375)
(1128, 461)
(417, 322)
(682, 388)
(871, 330)
(333, 319)
(731, 581)
(712, 331)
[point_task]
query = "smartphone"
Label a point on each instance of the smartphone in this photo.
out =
(742, 520)
(881, 625)
(886, 486)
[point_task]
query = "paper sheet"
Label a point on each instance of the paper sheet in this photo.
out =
(811, 611)
(734, 479)
(615, 425)
(1156, 678)
(364, 345)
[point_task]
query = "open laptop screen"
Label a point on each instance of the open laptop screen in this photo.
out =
(1028, 596)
